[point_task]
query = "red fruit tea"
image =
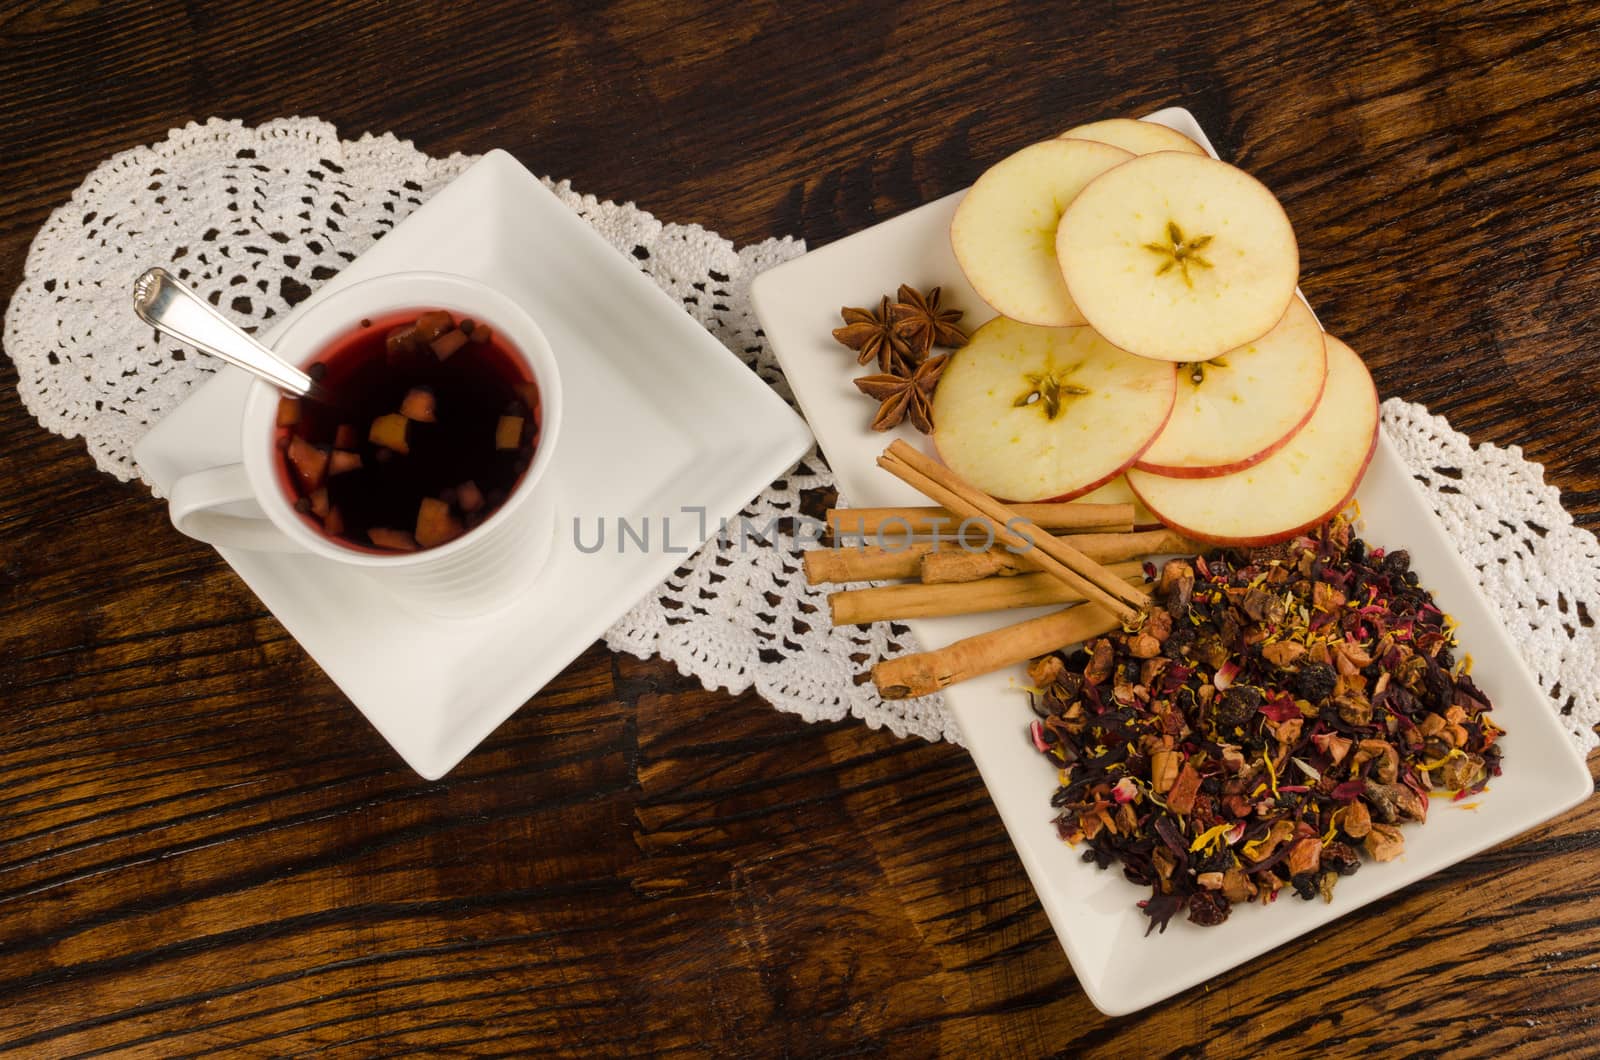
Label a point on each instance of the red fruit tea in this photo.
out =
(420, 428)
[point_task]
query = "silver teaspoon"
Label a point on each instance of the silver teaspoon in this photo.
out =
(171, 307)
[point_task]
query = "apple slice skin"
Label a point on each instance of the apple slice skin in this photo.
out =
(1225, 445)
(1108, 247)
(1135, 135)
(1239, 509)
(1017, 452)
(1118, 491)
(1003, 233)
(1083, 491)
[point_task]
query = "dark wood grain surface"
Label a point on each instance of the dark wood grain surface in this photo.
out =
(204, 848)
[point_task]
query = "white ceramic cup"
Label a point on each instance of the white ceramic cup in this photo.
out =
(245, 506)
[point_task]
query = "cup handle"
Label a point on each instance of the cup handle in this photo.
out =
(193, 497)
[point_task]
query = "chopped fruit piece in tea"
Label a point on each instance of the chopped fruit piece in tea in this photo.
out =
(288, 411)
(346, 437)
(432, 324)
(469, 497)
(310, 462)
(419, 405)
(529, 393)
(401, 342)
(1236, 769)
(333, 522)
(390, 432)
(482, 333)
(508, 433)
(395, 540)
(435, 524)
(319, 503)
(343, 461)
(448, 343)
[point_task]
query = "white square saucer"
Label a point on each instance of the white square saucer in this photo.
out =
(660, 417)
(1093, 911)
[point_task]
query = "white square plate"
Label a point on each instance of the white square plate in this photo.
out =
(1093, 911)
(660, 417)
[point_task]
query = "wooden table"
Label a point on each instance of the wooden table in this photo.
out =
(203, 847)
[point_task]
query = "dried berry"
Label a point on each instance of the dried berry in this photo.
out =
(1315, 682)
(1239, 704)
(1178, 641)
(1218, 859)
(1341, 858)
(1208, 908)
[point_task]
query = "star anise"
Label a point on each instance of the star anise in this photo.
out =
(872, 336)
(922, 323)
(902, 397)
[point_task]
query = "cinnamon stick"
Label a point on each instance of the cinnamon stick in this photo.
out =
(872, 564)
(927, 672)
(952, 568)
(892, 602)
(960, 565)
(938, 563)
(1037, 548)
(893, 524)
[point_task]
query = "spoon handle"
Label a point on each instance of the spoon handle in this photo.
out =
(169, 306)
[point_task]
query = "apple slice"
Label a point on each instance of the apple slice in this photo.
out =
(1117, 491)
(1131, 134)
(1029, 414)
(1298, 487)
(1004, 231)
(1178, 257)
(310, 462)
(1238, 409)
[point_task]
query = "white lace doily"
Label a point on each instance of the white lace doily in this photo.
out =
(257, 217)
